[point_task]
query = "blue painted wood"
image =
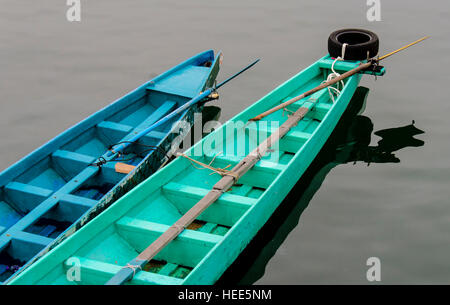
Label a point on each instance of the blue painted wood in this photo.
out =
(200, 97)
(3, 269)
(126, 273)
(142, 133)
(57, 182)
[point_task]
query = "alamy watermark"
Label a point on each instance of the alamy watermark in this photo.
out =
(73, 273)
(374, 11)
(374, 272)
(74, 11)
(235, 138)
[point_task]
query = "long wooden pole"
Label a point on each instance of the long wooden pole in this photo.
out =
(223, 185)
(333, 81)
(314, 90)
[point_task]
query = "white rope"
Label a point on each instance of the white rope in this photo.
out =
(133, 267)
(335, 90)
(221, 171)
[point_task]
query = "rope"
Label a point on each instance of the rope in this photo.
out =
(220, 171)
(100, 162)
(133, 267)
(179, 228)
(288, 111)
(335, 90)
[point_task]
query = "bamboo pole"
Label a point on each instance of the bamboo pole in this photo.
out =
(347, 74)
(403, 48)
(314, 90)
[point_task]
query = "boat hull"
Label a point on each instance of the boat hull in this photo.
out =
(17, 245)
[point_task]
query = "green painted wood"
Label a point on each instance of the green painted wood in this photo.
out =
(128, 224)
(208, 227)
(168, 269)
(263, 165)
(188, 249)
(227, 210)
(241, 189)
(95, 272)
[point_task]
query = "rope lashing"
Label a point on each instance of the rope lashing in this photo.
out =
(134, 268)
(288, 111)
(100, 162)
(335, 90)
(178, 227)
(375, 64)
(221, 171)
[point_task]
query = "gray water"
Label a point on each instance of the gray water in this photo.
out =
(54, 73)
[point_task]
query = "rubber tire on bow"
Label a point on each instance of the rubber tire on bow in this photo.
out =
(359, 43)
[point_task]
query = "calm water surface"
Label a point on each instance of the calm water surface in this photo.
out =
(55, 73)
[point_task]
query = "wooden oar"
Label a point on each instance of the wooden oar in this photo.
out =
(324, 85)
(222, 186)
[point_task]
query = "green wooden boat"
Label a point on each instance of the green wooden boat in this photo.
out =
(207, 247)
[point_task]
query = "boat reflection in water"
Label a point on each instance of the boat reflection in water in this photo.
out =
(349, 142)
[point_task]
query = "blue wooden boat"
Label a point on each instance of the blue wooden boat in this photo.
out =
(55, 190)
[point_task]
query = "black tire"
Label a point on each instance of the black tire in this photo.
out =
(359, 43)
